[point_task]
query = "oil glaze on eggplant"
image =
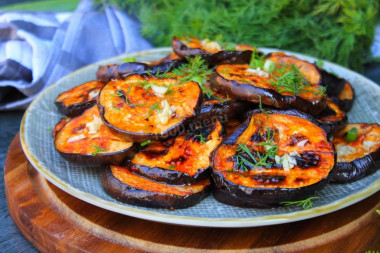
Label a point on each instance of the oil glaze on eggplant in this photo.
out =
(180, 160)
(116, 71)
(142, 108)
(236, 81)
(127, 187)
(86, 140)
(332, 117)
(212, 52)
(76, 100)
(268, 186)
(359, 158)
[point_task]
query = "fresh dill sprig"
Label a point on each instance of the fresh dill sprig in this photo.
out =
(319, 63)
(306, 203)
(129, 59)
(291, 80)
(155, 106)
(261, 107)
(321, 91)
(97, 149)
(115, 108)
(202, 139)
(118, 94)
(145, 84)
(171, 166)
(257, 60)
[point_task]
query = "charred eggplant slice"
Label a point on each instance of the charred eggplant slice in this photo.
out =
(242, 82)
(345, 98)
(212, 52)
(86, 140)
(141, 108)
(179, 161)
(76, 100)
(127, 187)
(116, 71)
(272, 157)
(332, 117)
(358, 152)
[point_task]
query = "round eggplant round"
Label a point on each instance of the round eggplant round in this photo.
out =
(76, 100)
(180, 160)
(116, 71)
(212, 52)
(273, 157)
(142, 108)
(86, 140)
(345, 99)
(127, 187)
(332, 117)
(356, 158)
(240, 82)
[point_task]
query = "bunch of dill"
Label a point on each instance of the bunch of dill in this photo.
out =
(337, 30)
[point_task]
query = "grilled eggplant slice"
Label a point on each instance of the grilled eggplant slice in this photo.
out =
(212, 52)
(76, 100)
(141, 108)
(360, 157)
(179, 161)
(345, 99)
(241, 82)
(116, 71)
(332, 117)
(293, 160)
(127, 187)
(86, 140)
(170, 57)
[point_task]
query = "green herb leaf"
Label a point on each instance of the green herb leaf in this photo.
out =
(118, 94)
(202, 139)
(115, 108)
(378, 211)
(319, 63)
(129, 59)
(155, 106)
(257, 61)
(97, 149)
(142, 144)
(306, 203)
(261, 107)
(171, 166)
(291, 81)
(352, 134)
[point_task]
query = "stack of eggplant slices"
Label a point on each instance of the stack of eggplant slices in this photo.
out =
(253, 130)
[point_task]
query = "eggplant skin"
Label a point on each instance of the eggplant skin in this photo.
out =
(268, 96)
(221, 57)
(347, 172)
(101, 159)
(133, 196)
(237, 195)
(108, 72)
(230, 193)
(168, 176)
(74, 110)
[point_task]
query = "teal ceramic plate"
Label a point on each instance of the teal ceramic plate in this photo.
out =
(84, 183)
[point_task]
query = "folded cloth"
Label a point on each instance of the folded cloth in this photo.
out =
(36, 49)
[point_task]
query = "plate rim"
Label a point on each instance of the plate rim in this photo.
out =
(152, 215)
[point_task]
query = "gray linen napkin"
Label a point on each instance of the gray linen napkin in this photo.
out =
(36, 49)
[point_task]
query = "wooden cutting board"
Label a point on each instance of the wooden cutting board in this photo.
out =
(54, 221)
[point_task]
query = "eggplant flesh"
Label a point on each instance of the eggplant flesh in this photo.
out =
(345, 99)
(359, 158)
(76, 100)
(239, 83)
(268, 186)
(332, 117)
(127, 187)
(181, 160)
(86, 140)
(142, 108)
(115, 71)
(212, 55)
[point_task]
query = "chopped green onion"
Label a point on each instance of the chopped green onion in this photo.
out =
(269, 66)
(142, 144)
(352, 134)
(129, 59)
